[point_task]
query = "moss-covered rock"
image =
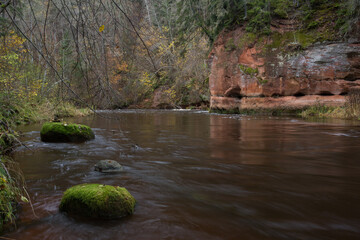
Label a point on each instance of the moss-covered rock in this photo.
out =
(97, 201)
(62, 132)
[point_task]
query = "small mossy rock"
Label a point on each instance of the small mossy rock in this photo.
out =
(97, 201)
(62, 132)
(108, 166)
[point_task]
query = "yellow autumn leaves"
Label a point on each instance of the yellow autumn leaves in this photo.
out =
(16, 77)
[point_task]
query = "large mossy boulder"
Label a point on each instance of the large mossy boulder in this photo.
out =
(97, 201)
(62, 132)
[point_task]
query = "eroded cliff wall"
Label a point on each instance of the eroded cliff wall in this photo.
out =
(285, 70)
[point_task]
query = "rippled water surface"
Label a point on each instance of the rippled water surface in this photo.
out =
(201, 176)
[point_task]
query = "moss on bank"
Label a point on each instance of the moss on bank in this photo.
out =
(49, 110)
(351, 109)
(18, 113)
(322, 111)
(97, 201)
(259, 111)
(318, 111)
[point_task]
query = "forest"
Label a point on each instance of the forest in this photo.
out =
(63, 58)
(109, 54)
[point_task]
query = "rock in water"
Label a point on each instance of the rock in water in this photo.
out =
(62, 132)
(108, 166)
(97, 201)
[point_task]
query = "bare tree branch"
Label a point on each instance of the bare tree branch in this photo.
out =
(137, 33)
(4, 5)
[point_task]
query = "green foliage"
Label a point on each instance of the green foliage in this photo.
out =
(313, 25)
(281, 8)
(351, 109)
(214, 16)
(230, 45)
(7, 135)
(209, 16)
(259, 111)
(247, 39)
(322, 111)
(262, 81)
(259, 17)
(296, 41)
(11, 182)
(249, 70)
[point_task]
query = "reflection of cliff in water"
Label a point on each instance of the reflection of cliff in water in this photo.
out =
(287, 145)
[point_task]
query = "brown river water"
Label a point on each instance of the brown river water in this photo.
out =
(197, 175)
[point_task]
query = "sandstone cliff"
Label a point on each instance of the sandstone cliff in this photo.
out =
(288, 69)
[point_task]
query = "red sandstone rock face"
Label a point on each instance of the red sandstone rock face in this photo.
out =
(321, 73)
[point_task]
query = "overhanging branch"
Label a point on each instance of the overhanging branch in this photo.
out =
(4, 5)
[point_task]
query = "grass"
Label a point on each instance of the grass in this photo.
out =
(351, 109)
(322, 111)
(18, 113)
(352, 105)
(49, 110)
(259, 111)
(12, 191)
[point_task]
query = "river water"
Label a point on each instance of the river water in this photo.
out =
(197, 175)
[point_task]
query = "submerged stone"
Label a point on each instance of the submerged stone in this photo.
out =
(97, 201)
(62, 132)
(108, 166)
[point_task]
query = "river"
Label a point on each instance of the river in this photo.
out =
(197, 175)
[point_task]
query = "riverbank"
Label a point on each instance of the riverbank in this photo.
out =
(339, 107)
(12, 184)
(318, 111)
(329, 112)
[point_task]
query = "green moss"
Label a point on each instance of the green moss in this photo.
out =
(259, 111)
(230, 45)
(62, 132)
(225, 111)
(313, 25)
(247, 39)
(284, 42)
(7, 140)
(304, 39)
(262, 81)
(249, 70)
(322, 111)
(351, 109)
(97, 201)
